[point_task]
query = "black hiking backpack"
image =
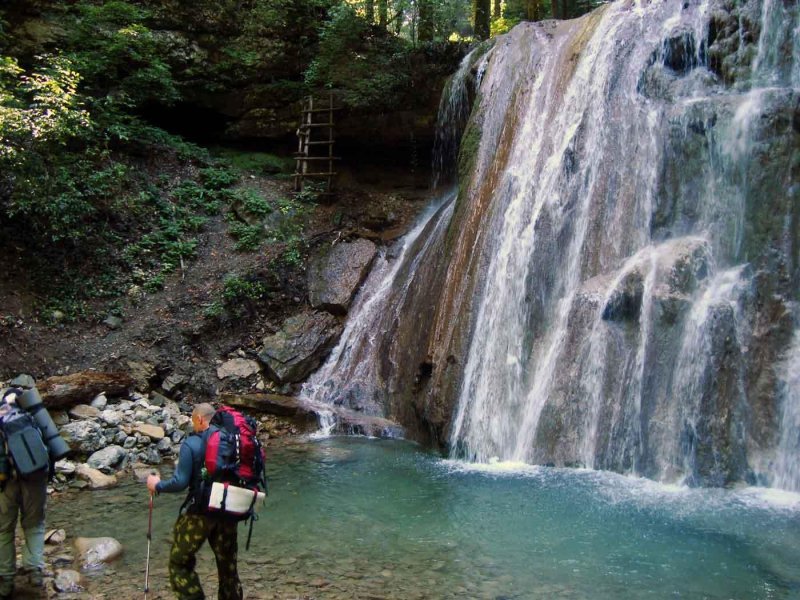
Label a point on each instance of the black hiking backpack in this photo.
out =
(23, 442)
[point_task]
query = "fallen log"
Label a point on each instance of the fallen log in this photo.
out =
(273, 404)
(63, 391)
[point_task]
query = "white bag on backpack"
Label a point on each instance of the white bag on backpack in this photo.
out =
(237, 500)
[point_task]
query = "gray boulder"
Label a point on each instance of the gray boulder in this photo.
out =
(107, 459)
(335, 275)
(83, 436)
(299, 347)
(68, 581)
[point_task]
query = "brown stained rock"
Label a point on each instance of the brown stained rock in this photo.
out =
(96, 479)
(154, 432)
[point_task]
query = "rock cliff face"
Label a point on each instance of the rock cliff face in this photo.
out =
(617, 286)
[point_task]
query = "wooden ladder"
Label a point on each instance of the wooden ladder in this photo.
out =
(314, 133)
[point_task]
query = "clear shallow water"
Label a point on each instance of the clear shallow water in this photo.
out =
(356, 518)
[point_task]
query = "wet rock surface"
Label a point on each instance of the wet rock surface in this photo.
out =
(300, 346)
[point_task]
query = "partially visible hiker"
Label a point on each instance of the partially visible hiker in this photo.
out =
(24, 494)
(196, 523)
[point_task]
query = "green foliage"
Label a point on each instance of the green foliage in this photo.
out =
(218, 178)
(281, 220)
(248, 237)
(179, 215)
(371, 66)
(254, 162)
(40, 110)
(503, 25)
(253, 202)
(235, 289)
(122, 61)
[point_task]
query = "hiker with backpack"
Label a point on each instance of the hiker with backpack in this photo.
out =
(29, 447)
(222, 465)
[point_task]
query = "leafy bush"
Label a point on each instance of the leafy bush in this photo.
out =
(248, 237)
(121, 60)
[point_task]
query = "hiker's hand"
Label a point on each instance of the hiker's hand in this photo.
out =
(152, 481)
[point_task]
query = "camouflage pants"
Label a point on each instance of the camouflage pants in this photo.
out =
(189, 534)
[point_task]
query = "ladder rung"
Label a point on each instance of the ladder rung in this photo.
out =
(318, 158)
(314, 174)
(326, 142)
(307, 125)
(320, 110)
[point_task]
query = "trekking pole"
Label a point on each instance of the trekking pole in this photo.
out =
(149, 538)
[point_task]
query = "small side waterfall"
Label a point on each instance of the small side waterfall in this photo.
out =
(353, 375)
(454, 109)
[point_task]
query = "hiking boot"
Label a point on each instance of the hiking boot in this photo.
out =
(34, 576)
(6, 588)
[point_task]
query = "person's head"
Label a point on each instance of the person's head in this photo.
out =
(201, 416)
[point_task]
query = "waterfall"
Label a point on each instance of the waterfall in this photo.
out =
(454, 109)
(352, 374)
(787, 469)
(621, 252)
(616, 284)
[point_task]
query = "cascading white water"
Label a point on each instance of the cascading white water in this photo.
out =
(604, 335)
(787, 463)
(723, 293)
(351, 374)
(454, 108)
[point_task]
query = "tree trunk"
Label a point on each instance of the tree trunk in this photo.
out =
(383, 13)
(369, 11)
(425, 28)
(481, 11)
(81, 388)
(498, 9)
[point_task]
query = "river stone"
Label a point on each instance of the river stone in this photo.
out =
(68, 581)
(300, 346)
(238, 368)
(107, 459)
(83, 436)
(154, 432)
(130, 442)
(111, 417)
(100, 402)
(95, 551)
(335, 274)
(83, 411)
(64, 466)
(60, 417)
(152, 456)
(55, 536)
(96, 479)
